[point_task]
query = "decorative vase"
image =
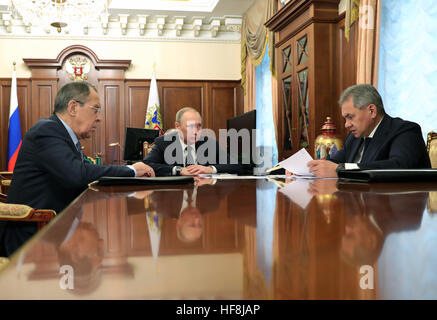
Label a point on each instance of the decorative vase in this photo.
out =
(328, 142)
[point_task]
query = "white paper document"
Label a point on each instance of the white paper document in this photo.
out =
(297, 191)
(297, 163)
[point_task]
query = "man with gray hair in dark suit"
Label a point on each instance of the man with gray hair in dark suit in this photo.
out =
(376, 140)
(50, 171)
(186, 152)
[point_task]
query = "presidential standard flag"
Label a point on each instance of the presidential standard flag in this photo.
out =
(14, 131)
(153, 114)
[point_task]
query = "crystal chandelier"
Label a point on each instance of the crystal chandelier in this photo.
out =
(60, 13)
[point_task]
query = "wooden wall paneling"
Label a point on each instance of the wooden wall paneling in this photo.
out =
(136, 98)
(24, 96)
(4, 120)
(112, 128)
(207, 105)
(24, 93)
(43, 99)
(324, 103)
(345, 67)
(176, 95)
(223, 103)
(135, 106)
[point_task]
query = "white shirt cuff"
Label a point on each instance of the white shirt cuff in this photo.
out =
(214, 169)
(351, 166)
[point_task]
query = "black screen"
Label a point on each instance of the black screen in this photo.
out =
(133, 145)
(244, 121)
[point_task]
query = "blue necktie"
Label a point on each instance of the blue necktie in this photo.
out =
(79, 148)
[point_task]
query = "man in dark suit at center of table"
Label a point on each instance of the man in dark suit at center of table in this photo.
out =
(50, 171)
(185, 152)
(376, 140)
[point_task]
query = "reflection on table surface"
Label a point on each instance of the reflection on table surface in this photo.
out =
(235, 239)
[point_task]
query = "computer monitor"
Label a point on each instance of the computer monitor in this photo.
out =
(133, 144)
(244, 121)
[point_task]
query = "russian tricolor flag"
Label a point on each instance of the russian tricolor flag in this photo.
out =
(14, 132)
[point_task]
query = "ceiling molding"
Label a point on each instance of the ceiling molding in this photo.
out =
(211, 21)
(127, 27)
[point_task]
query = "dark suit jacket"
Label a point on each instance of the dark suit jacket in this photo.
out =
(397, 144)
(156, 158)
(49, 172)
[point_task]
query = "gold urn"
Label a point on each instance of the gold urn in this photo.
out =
(328, 142)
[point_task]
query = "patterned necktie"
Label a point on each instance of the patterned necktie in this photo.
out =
(79, 148)
(190, 158)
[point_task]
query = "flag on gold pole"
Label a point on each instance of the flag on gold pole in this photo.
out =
(14, 128)
(153, 113)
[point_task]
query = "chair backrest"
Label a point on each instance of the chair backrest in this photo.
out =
(431, 146)
(6, 175)
(4, 186)
(5, 181)
(20, 212)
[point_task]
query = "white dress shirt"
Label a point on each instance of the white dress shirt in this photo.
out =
(193, 154)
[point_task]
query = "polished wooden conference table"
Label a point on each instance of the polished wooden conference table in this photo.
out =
(235, 239)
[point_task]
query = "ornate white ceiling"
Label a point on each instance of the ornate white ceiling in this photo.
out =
(155, 20)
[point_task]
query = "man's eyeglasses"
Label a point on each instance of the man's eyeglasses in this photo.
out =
(96, 109)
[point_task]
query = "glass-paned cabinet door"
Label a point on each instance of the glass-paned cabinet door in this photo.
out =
(286, 86)
(302, 50)
(303, 107)
(286, 59)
